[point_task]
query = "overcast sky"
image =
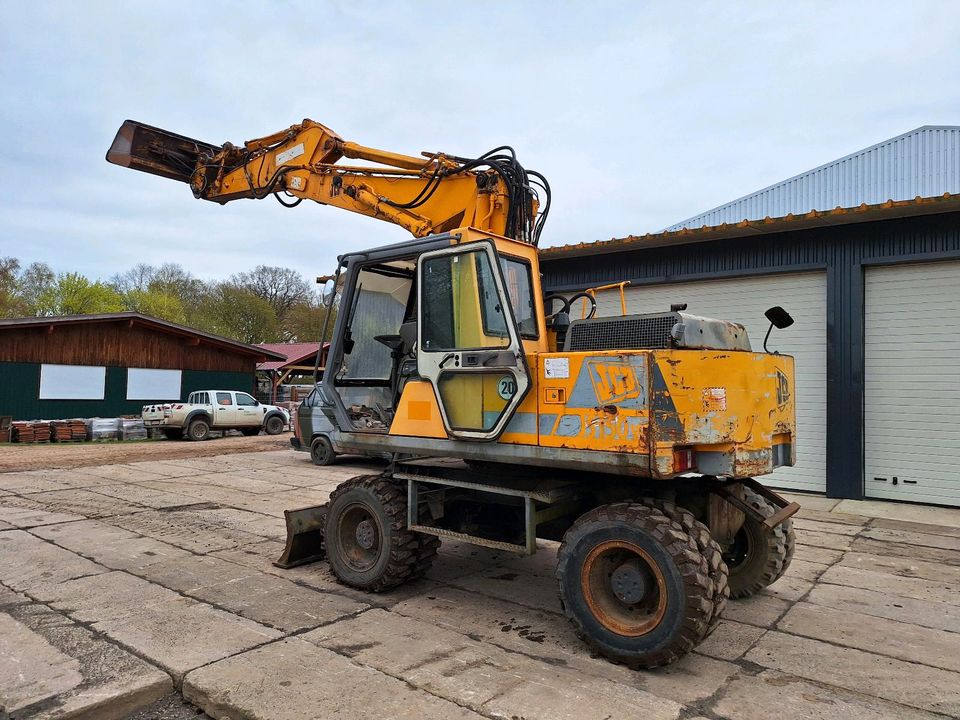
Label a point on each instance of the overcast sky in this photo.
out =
(639, 114)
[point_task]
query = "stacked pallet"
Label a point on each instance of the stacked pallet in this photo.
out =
(68, 430)
(31, 432)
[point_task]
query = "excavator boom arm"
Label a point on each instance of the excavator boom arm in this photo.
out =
(429, 194)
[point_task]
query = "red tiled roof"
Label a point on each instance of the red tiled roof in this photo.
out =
(295, 354)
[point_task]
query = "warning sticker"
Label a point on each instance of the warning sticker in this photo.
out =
(287, 155)
(558, 368)
(714, 398)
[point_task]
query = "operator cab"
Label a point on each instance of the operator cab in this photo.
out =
(378, 343)
(452, 315)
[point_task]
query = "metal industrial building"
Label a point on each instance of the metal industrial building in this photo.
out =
(865, 253)
(112, 364)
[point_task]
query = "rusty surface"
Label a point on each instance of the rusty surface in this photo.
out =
(614, 615)
(305, 529)
(815, 218)
(724, 519)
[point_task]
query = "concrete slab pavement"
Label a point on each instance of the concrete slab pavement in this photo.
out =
(163, 571)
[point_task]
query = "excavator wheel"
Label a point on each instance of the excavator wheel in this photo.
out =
(708, 547)
(636, 585)
(758, 557)
(366, 538)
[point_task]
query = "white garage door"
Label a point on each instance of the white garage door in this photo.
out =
(744, 300)
(912, 383)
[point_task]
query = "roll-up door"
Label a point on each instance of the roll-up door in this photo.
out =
(912, 382)
(744, 300)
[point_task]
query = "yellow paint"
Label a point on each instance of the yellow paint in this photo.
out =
(615, 418)
(418, 414)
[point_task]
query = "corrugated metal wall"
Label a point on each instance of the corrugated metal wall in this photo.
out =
(924, 162)
(20, 386)
(838, 246)
(844, 251)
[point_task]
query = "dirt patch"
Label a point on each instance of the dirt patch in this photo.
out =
(40, 456)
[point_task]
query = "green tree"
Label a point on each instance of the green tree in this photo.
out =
(11, 302)
(304, 322)
(36, 282)
(283, 288)
(236, 313)
(73, 294)
(156, 303)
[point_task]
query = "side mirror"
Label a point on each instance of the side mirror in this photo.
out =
(328, 293)
(778, 318)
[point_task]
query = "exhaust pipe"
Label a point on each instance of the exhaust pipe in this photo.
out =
(158, 152)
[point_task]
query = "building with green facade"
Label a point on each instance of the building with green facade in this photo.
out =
(112, 364)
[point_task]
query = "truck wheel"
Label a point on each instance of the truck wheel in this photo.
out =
(366, 537)
(758, 557)
(274, 425)
(250, 432)
(321, 452)
(199, 430)
(708, 547)
(635, 585)
(173, 434)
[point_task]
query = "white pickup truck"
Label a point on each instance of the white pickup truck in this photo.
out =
(207, 410)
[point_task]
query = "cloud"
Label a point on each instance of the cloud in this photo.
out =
(640, 115)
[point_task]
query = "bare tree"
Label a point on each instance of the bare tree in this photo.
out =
(136, 279)
(36, 282)
(282, 287)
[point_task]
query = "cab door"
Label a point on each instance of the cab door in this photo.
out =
(468, 346)
(224, 410)
(249, 412)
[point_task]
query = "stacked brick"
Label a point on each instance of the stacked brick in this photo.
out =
(31, 432)
(68, 430)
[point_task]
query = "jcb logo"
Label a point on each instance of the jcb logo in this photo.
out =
(783, 390)
(614, 382)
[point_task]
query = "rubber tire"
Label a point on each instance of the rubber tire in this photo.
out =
(198, 430)
(173, 433)
(690, 606)
(708, 547)
(250, 432)
(321, 452)
(772, 554)
(403, 556)
(274, 425)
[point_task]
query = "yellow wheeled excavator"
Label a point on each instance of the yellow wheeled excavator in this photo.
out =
(634, 440)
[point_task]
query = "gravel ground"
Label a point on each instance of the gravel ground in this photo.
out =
(16, 457)
(171, 707)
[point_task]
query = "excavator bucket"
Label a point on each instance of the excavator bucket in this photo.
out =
(158, 152)
(304, 536)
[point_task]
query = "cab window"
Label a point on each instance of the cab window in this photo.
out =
(245, 400)
(460, 307)
(223, 398)
(518, 277)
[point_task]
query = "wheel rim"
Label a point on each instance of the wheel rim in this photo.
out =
(360, 536)
(320, 452)
(624, 588)
(275, 424)
(741, 551)
(198, 432)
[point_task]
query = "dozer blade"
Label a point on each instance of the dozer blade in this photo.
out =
(158, 152)
(304, 536)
